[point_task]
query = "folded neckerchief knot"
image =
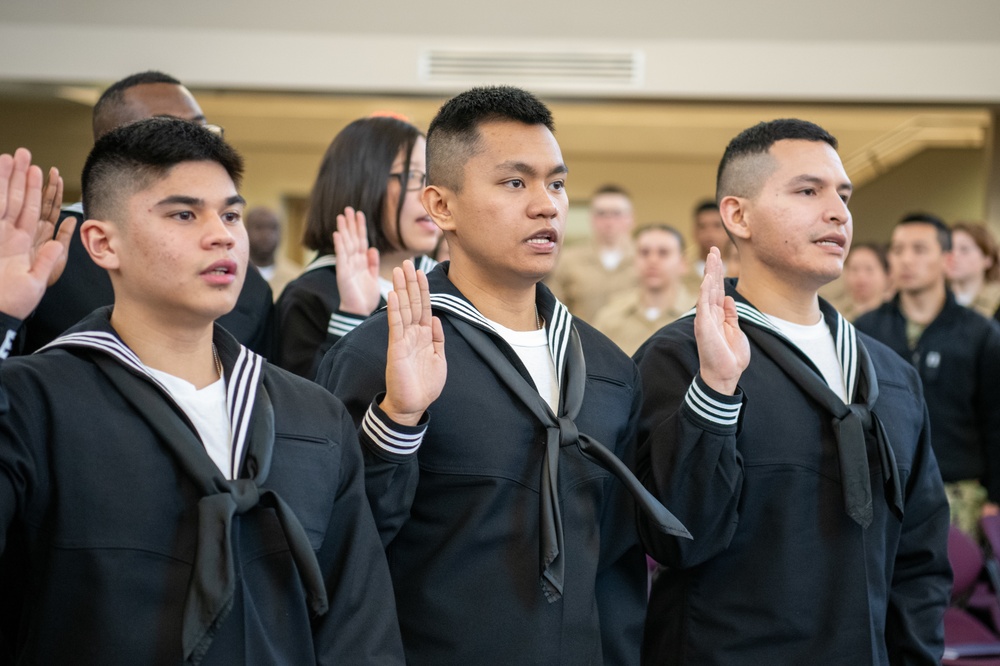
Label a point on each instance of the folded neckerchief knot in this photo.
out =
(562, 431)
(851, 424)
(568, 434)
(213, 585)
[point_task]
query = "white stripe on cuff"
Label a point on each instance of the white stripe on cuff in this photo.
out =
(389, 439)
(711, 409)
(343, 324)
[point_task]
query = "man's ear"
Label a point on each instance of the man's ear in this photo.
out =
(99, 238)
(436, 200)
(735, 217)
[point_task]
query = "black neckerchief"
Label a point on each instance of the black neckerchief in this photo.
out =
(571, 373)
(213, 579)
(851, 421)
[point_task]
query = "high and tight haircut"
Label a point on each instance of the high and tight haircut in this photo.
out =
(746, 164)
(112, 98)
(453, 136)
(661, 226)
(704, 206)
(942, 229)
(132, 157)
(985, 241)
(355, 172)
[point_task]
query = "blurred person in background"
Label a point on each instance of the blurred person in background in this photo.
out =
(264, 229)
(956, 351)
(866, 280)
(365, 218)
(590, 273)
(660, 297)
(708, 232)
(973, 273)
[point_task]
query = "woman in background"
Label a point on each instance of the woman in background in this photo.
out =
(866, 279)
(364, 219)
(973, 273)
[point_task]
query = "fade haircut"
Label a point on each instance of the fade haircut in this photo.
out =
(454, 135)
(109, 105)
(130, 158)
(943, 232)
(746, 163)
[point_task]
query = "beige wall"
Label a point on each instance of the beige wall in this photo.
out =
(948, 183)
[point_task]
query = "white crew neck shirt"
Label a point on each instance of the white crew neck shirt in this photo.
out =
(207, 410)
(816, 342)
(532, 347)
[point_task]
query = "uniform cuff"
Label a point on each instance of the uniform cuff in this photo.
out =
(8, 331)
(342, 323)
(389, 435)
(709, 408)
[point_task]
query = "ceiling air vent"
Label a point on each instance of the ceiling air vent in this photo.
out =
(557, 68)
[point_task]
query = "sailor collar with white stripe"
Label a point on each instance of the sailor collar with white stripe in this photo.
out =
(845, 336)
(241, 368)
(444, 296)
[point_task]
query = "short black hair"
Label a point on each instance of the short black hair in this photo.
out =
(128, 159)
(661, 226)
(704, 206)
(453, 136)
(745, 165)
(943, 230)
(114, 96)
(611, 188)
(355, 172)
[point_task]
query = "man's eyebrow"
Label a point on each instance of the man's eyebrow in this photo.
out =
(195, 202)
(816, 180)
(182, 200)
(528, 170)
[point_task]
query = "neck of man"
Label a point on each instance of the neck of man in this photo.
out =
(922, 306)
(391, 259)
(179, 350)
(662, 298)
(968, 287)
(784, 297)
(612, 244)
(512, 306)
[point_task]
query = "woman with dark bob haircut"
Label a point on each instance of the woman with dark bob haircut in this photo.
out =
(364, 217)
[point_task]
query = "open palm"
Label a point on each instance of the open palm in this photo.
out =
(416, 368)
(357, 264)
(723, 349)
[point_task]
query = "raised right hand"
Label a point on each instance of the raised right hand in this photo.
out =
(357, 264)
(28, 260)
(415, 368)
(723, 349)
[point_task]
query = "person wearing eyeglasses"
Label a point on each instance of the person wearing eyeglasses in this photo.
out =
(85, 286)
(365, 218)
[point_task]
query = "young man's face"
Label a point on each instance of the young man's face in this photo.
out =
(799, 224)
(510, 214)
(658, 259)
(611, 218)
(916, 259)
(709, 231)
(181, 248)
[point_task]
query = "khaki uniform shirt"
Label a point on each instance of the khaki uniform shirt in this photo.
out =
(624, 319)
(584, 285)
